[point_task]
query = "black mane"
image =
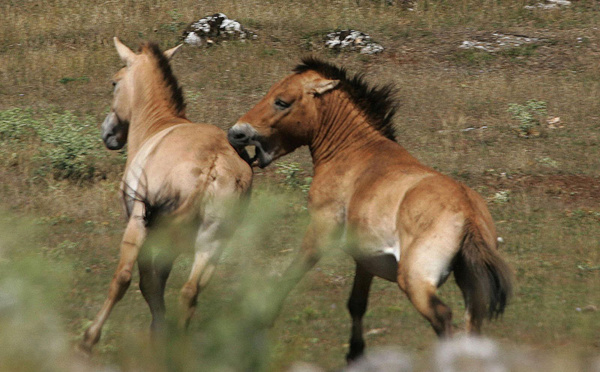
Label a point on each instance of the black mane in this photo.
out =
(377, 103)
(169, 78)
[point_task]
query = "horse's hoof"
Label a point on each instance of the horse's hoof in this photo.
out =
(357, 349)
(352, 357)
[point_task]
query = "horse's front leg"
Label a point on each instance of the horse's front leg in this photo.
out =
(318, 236)
(357, 306)
(133, 238)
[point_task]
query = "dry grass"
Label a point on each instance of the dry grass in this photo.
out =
(58, 56)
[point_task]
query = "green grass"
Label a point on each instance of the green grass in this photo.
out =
(60, 233)
(473, 57)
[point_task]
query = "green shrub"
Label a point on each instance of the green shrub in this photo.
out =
(71, 147)
(529, 116)
(67, 146)
(15, 124)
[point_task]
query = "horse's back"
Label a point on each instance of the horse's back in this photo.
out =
(201, 146)
(187, 161)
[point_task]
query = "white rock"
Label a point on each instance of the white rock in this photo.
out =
(212, 28)
(549, 4)
(499, 42)
(352, 40)
(193, 39)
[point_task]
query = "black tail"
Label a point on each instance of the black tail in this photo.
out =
(484, 278)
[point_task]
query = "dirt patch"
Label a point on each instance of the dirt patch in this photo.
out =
(575, 191)
(510, 50)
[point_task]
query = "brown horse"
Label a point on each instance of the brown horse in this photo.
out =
(399, 219)
(182, 184)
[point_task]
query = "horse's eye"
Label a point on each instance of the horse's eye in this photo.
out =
(114, 83)
(282, 105)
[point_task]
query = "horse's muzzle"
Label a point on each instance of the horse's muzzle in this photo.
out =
(114, 133)
(242, 135)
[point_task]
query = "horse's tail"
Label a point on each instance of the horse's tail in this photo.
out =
(484, 278)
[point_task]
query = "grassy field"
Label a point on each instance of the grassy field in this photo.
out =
(61, 222)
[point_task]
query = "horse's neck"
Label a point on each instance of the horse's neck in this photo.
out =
(152, 115)
(343, 132)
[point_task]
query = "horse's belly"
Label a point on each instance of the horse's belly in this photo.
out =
(379, 259)
(384, 266)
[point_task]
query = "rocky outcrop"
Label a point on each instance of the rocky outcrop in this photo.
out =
(215, 28)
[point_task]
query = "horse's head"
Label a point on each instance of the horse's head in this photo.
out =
(284, 119)
(115, 127)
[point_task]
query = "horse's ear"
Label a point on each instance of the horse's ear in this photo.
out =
(320, 86)
(171, 52)
(126, 54)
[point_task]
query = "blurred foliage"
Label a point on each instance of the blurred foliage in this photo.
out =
(32, 332)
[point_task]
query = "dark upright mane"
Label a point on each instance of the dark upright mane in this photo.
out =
(377, 103)
(169, 78)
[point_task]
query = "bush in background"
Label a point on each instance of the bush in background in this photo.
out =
(64, 145)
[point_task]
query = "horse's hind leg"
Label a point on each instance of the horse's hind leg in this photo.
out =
(154, 272)
(208, 250)
(133, 238)
(202, 271)
(423, 296)
(421, 271)
(357, 306)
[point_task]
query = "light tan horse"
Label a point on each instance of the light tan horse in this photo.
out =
(399, 219)
(182, 184)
